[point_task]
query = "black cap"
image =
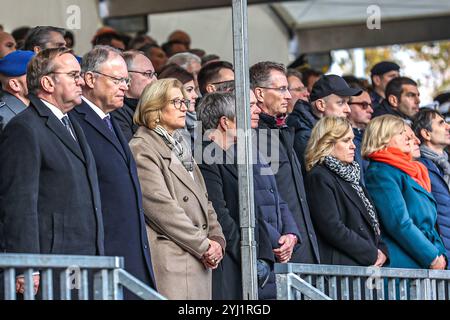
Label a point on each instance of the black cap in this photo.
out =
(383, 67)
(332, 84)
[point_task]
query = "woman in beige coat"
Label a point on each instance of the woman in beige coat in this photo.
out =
(185, 237)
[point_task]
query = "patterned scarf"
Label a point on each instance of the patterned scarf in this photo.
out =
(177, 144)
(351, 173)
(441, 160)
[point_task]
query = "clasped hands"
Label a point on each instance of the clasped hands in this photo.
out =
(212, 257)
(284, 252)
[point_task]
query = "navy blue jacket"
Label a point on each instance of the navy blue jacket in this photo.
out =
(303, 121)
(441, 194)
(120, 193)
(222, 182)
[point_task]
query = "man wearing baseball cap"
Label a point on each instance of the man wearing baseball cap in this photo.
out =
(329, 97)
(380, 74)
(13, 78)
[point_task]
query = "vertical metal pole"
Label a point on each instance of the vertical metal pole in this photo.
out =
(244, 152)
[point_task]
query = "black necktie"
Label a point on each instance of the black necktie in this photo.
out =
(66, 121)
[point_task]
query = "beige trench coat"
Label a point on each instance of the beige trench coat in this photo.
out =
(179, 217)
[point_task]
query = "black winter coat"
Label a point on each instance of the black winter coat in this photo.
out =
(342, 223)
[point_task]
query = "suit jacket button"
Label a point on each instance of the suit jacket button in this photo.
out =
(185, 198)
(145, 246)
(271, 190)
(204, 226)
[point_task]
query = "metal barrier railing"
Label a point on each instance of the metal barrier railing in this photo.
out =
(330, 282)
(97, 277)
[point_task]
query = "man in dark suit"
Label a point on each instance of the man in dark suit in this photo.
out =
(49, 196)
(106, 81)
(276, 143)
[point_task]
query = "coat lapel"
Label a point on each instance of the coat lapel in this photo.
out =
(353, 196)
(183, 175)
(123, 142)
(419, 188)
(177, 168)
(55, 125)
(97, 123)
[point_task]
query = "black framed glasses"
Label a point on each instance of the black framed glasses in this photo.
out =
(115, 80)
(281, 90)
(147, 74)
(177, 103)
(75, 75)
(365, 105)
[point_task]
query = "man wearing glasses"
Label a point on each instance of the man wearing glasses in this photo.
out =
(49, 195)
(275, 142)
(141, 73)
(106, 81)
(297, 89)
(359, 117)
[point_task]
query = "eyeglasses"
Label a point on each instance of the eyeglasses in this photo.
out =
(177, 103)
(281, 90)
(147, 74)
(362, 104)
(302, 89)
(72, 74)
(117, 81)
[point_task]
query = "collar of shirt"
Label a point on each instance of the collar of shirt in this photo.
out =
(96, 109)
(58, 113)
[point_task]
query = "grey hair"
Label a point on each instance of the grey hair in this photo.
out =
(294, 73)
(96, 57)
(213, 106)
(260, 73)
(184, 59)
(129, 57)
(39, 36)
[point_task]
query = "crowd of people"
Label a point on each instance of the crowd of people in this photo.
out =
(99, 156)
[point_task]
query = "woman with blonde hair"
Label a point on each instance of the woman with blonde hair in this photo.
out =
(343, 215)
(185, 238)
(400, 188)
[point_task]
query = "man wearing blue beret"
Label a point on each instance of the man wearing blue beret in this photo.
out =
(13, 78)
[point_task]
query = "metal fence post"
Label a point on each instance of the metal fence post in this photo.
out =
(244, 150)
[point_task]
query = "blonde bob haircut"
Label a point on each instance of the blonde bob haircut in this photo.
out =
(324, 136)
(379, 132)
(153, 100)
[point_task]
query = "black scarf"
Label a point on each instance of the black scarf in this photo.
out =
(351, 173)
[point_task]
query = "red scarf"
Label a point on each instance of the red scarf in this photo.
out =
(400, 160)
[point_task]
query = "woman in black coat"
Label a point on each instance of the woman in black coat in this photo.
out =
(343, 215)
